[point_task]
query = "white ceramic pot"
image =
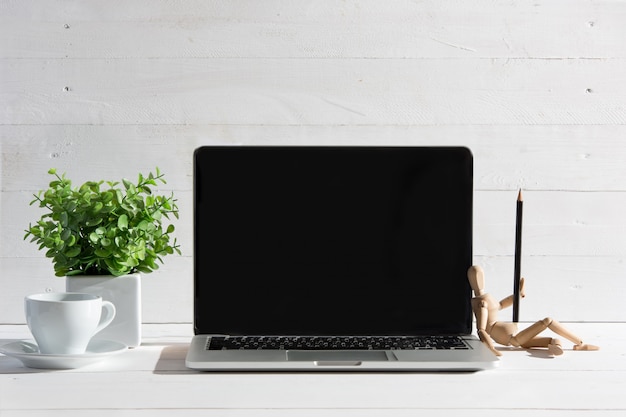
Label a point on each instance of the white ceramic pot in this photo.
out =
(125, 293)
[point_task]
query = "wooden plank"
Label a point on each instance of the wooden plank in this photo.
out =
(164, 334)
(164, 348)
(358, 412)
(580, 288)
(526, 390)
(283, 29)
(153, 85)
(566, 288)
(314, 91)
(555, 223)
(573, 240)
(167, 294)
(143, 380)
(573, 158)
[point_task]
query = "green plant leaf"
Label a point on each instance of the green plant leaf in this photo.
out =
(119, 241)
(93, 222)
(107, 197)
(94, 238)
(73, 252)
(63, 218)
(102, 253)
(65, 234)
(122, 222)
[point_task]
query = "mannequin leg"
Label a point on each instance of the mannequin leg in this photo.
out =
(528, 334)
(558, 328)
(537, 342)
(553, 345)
(527, 338)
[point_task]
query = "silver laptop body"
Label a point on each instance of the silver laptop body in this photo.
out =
(333, 259)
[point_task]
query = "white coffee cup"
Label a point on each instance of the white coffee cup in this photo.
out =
(64, 323)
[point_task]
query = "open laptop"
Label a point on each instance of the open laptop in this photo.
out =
(333, 258)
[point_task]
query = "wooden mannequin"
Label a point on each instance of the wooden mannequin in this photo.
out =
(506, 333)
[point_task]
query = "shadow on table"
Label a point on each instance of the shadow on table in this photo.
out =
(172, 360)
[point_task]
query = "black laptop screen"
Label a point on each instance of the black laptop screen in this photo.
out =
(332, 240)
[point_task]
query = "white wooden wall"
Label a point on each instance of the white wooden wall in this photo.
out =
(106, 89)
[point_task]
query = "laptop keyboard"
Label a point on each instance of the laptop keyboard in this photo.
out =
(336, 342)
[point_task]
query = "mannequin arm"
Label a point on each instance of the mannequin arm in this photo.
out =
(508, 301)
(486, 339)
(481, 312)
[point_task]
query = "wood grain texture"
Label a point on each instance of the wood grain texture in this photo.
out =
(541, 157)
(314, 91)
(264, 391)
(152, 381)
(555, 224)
(556, 286)
(523, 382)
(536, 90)
(323, 29)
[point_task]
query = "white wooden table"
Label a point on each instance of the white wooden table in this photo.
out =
(152, 381)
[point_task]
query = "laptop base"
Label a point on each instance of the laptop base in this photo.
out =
(477, 358)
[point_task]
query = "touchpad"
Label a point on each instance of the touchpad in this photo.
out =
(326, 356)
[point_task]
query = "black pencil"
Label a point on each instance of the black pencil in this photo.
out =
(518, 256)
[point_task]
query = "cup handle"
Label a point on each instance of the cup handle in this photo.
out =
(108, 314)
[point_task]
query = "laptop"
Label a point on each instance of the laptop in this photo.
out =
(331, 258)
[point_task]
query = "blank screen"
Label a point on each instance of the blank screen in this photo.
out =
(332, 240)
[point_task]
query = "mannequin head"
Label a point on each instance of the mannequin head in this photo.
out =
(476, 278)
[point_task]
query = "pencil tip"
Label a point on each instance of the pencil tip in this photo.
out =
(519, 195)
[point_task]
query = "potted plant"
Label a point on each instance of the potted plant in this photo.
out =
(101, 236)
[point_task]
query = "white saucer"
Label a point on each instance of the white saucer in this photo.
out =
(27, 351)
